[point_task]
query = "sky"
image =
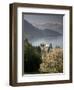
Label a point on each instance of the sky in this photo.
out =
(48, 21)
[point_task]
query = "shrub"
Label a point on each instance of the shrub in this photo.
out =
(53, 61)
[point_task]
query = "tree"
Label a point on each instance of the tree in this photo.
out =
(32, 58)
(51, 46)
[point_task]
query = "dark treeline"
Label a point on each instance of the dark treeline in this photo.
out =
(32, 58)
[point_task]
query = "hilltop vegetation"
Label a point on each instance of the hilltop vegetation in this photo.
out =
(47, 61)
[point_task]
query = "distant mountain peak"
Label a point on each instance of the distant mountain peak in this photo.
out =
(35, 33)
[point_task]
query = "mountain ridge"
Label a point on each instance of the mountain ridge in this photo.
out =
(33, 32)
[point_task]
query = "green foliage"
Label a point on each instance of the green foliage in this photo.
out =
(34, 63)
(32, 58)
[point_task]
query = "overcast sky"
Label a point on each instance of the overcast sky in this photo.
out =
(50, 21)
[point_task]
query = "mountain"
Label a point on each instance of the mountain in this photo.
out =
(34, 34)
(31, 31)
